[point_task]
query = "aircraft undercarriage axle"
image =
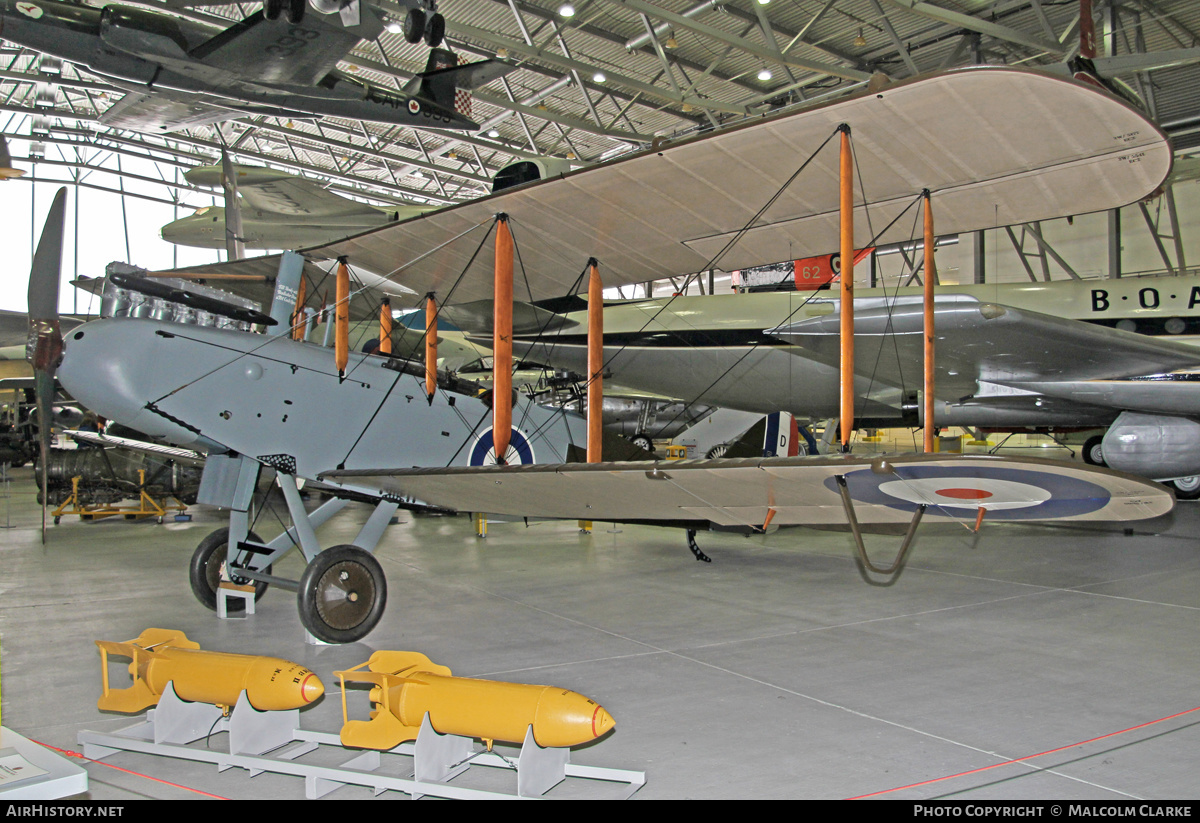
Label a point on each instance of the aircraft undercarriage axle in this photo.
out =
(343, 591)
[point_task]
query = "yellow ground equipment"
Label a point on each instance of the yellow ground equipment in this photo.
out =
(162, 656)
(407, 685)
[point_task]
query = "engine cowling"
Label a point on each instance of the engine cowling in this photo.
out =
(1158, 446)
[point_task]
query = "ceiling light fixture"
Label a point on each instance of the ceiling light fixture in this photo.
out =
(493, 133)
(671, 42)
(860, 41)
(566, 10)
(599, 77)
(501, 53)
(765, 75)
(394, 26)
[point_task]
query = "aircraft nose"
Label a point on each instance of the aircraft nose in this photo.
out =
(113, 368)
(95, 369)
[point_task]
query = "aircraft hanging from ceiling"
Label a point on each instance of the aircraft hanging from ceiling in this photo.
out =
(279, 211)
(178, 73)
(256, 400)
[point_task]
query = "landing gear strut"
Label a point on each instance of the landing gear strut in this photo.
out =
(294, 9)
(343, 591)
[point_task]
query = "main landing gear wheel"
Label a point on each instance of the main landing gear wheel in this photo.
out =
(205, 570)
(1092, 452)
(414, 25)
(273, 8)
(1186, 488)
(295, 11)
(435, 31)
(343, 592)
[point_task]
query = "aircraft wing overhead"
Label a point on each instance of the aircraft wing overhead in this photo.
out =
(986, 342)
(996, 146)
(291, 195)
(801, 491)
(163, 111)
(310, 50)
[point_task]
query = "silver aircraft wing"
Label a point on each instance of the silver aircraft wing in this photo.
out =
(298, 54)
(986, 343)
(280, 193)
(163, 111)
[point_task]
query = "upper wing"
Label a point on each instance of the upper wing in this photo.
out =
(980, 343)
(800, 491)
(996, 146)
(279, 52)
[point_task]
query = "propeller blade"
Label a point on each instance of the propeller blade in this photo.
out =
(45, 345)
(234, 245)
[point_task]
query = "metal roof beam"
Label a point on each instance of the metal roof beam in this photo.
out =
(722, 36)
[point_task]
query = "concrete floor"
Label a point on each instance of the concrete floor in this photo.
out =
(774, 671)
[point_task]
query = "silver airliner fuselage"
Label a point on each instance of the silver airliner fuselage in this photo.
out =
(719, 349)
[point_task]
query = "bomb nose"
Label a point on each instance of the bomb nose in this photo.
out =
(311, 688)
(602, 721)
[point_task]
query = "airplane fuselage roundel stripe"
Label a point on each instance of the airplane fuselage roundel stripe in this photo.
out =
(519, 450)
(1007, 494)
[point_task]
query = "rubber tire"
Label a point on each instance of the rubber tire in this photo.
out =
(321, 577)
(295, 11)
(1092, 453)
(204, 571)
(414, 26)
(435, 31)
(1186, 488)
(642, 441)
(273, 8)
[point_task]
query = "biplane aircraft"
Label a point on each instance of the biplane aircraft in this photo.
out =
(376, 428)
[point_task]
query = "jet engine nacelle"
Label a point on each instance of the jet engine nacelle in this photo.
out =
(1160, 446)
(142, 33)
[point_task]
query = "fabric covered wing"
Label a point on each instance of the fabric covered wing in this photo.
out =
(801, 491)
(985, 342)
(668, 211)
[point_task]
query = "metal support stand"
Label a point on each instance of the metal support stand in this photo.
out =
(274, 742)
(227, 590)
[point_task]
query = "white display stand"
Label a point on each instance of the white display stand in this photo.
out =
(56, 776)
(274, 742)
